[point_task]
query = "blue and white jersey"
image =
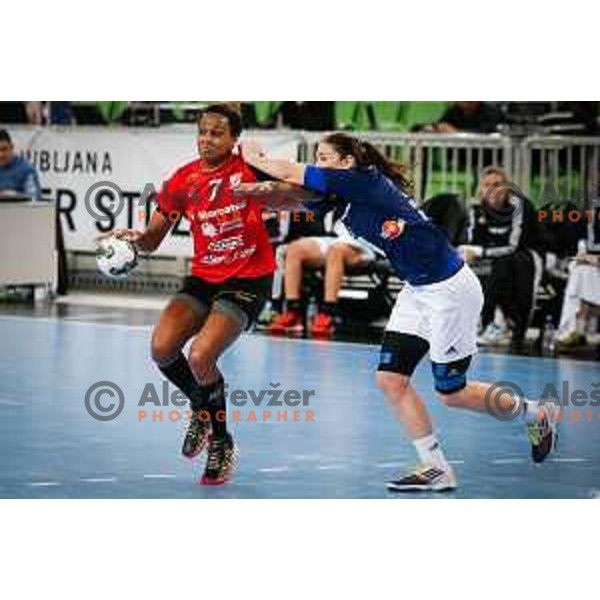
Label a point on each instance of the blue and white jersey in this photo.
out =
(385, 217)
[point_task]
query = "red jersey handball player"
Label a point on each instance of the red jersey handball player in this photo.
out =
(229, 283)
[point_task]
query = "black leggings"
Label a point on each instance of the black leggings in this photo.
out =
(510, 287)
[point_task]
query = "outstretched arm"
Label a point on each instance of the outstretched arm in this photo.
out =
(276, 195)
(353, 185)
(283, 170)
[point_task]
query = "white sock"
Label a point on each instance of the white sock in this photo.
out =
(430, 453)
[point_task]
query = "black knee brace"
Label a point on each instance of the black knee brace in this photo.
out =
(401, 352)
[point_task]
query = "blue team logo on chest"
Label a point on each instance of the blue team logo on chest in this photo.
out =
(391, 230)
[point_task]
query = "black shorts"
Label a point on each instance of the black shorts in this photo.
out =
(243, 299)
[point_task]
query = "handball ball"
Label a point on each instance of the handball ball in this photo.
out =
(116, 257)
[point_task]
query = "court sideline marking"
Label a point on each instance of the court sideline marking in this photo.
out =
(287, 469)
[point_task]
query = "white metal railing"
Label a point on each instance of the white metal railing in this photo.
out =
(566, 166)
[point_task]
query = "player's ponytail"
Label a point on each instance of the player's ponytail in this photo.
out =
(394, 171)
(367, 155)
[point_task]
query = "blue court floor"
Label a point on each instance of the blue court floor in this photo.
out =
(52, 448)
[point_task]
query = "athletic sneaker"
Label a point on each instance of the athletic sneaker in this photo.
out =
(424, 479)
(494, 336)
(543, 434)
(322, 325)
(221, 461)
(196, 437)
(288, 322)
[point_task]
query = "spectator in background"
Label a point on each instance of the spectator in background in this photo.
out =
(17, 178)
(35, 113)
(582, 296)
(581, 304)
(60, 113)
(470, 117)
(17, 175)
(310, 116)
(503, 231)
(335, 253)
(284, 229)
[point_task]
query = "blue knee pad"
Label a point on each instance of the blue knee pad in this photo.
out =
(451, 377)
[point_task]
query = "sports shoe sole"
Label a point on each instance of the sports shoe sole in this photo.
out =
(449, 487)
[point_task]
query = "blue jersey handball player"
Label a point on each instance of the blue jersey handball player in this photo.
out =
(437, 311)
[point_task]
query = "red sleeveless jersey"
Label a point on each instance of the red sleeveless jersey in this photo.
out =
(230, 238)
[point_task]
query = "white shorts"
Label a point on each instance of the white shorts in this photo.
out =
(445, 314)
(325, 243)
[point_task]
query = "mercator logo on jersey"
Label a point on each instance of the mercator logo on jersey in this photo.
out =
(227, 212)
(391, 230)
